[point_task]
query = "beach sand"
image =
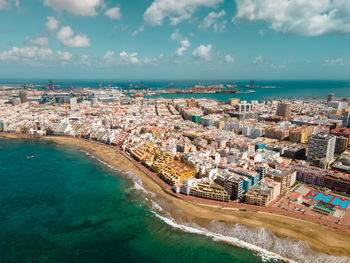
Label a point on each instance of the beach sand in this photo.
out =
(318, 237)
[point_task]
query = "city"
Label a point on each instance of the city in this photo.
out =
(283, 156)
(175, 131)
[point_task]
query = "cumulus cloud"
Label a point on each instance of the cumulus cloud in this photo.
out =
(64, 56)
(34, 53)
(52, 23)
(139, 30)
(85, 60)
(176, 10)
(334, 62)
(40, 41)
(184, 42)
(211, 20)
(229, 59)
(67, 38)
(203, 52)
(16, 54)
(128, 58)
(257, 60)
(76, 7)
(108, 56)
(114, 13)
(3, 4)
(7, 3)
(301, 17)
(124, 58)
(176, 35)
(184, 45)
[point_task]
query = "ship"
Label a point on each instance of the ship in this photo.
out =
(233, 85)
(252, 85)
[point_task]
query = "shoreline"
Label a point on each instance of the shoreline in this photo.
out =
(320, 238)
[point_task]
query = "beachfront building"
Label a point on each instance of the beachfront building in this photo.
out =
(210, 190)
(260, 195)
(285, 177)
(232, 184)
(175, 173)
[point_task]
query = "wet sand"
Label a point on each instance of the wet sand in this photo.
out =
(318, 237)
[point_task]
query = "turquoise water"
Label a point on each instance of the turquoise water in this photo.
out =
(283, 88)
(62, 206)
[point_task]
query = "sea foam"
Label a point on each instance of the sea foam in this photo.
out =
(264, 242)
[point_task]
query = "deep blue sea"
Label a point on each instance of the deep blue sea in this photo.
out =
(64, 206)
(277, 88)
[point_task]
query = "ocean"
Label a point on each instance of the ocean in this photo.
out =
(272, 88)
(65, 206)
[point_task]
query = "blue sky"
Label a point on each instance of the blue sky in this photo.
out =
(177, 39)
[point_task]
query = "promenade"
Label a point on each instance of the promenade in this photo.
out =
(323, 220)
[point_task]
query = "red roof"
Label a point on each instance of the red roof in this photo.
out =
(295, 195)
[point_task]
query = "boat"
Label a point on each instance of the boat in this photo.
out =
(233, 85)
(30, 156)
(252, 85)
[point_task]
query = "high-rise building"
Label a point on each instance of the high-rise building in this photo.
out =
(23, 96)
(346, 119)
(330, 97)
(73, 104)
(321, 146)
(234, 186)
(283, 109)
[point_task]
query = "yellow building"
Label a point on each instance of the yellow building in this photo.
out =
(301, 134)
(175, 172)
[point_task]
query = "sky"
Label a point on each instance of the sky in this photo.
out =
(175, 39)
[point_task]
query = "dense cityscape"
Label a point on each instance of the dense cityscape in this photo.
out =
(284, 156)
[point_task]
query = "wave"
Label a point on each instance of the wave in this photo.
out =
(263, 241)
(263, 253)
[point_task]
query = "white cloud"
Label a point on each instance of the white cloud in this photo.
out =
(67, 38)
(17, 54)
(334, 62)
(257, 60)
(128, 58)
(6, 3)
(139, 30)
(301, 17)
(185, 44)
(108, 56)
(114, 13)
(76, 7)
(64, 56)
(212, 20)
(44, 53)
(229, 59)
(203, 52)
(176, 35)
(34, 53)
(52, 23)
(176, 10)
(85, 60)
(40, 41)
(3, 4)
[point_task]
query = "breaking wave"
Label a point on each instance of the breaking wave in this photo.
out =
(264, 242)
(263, 253)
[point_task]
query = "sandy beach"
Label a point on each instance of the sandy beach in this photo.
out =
(318, 237)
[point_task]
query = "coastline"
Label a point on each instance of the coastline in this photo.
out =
(318, 237)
